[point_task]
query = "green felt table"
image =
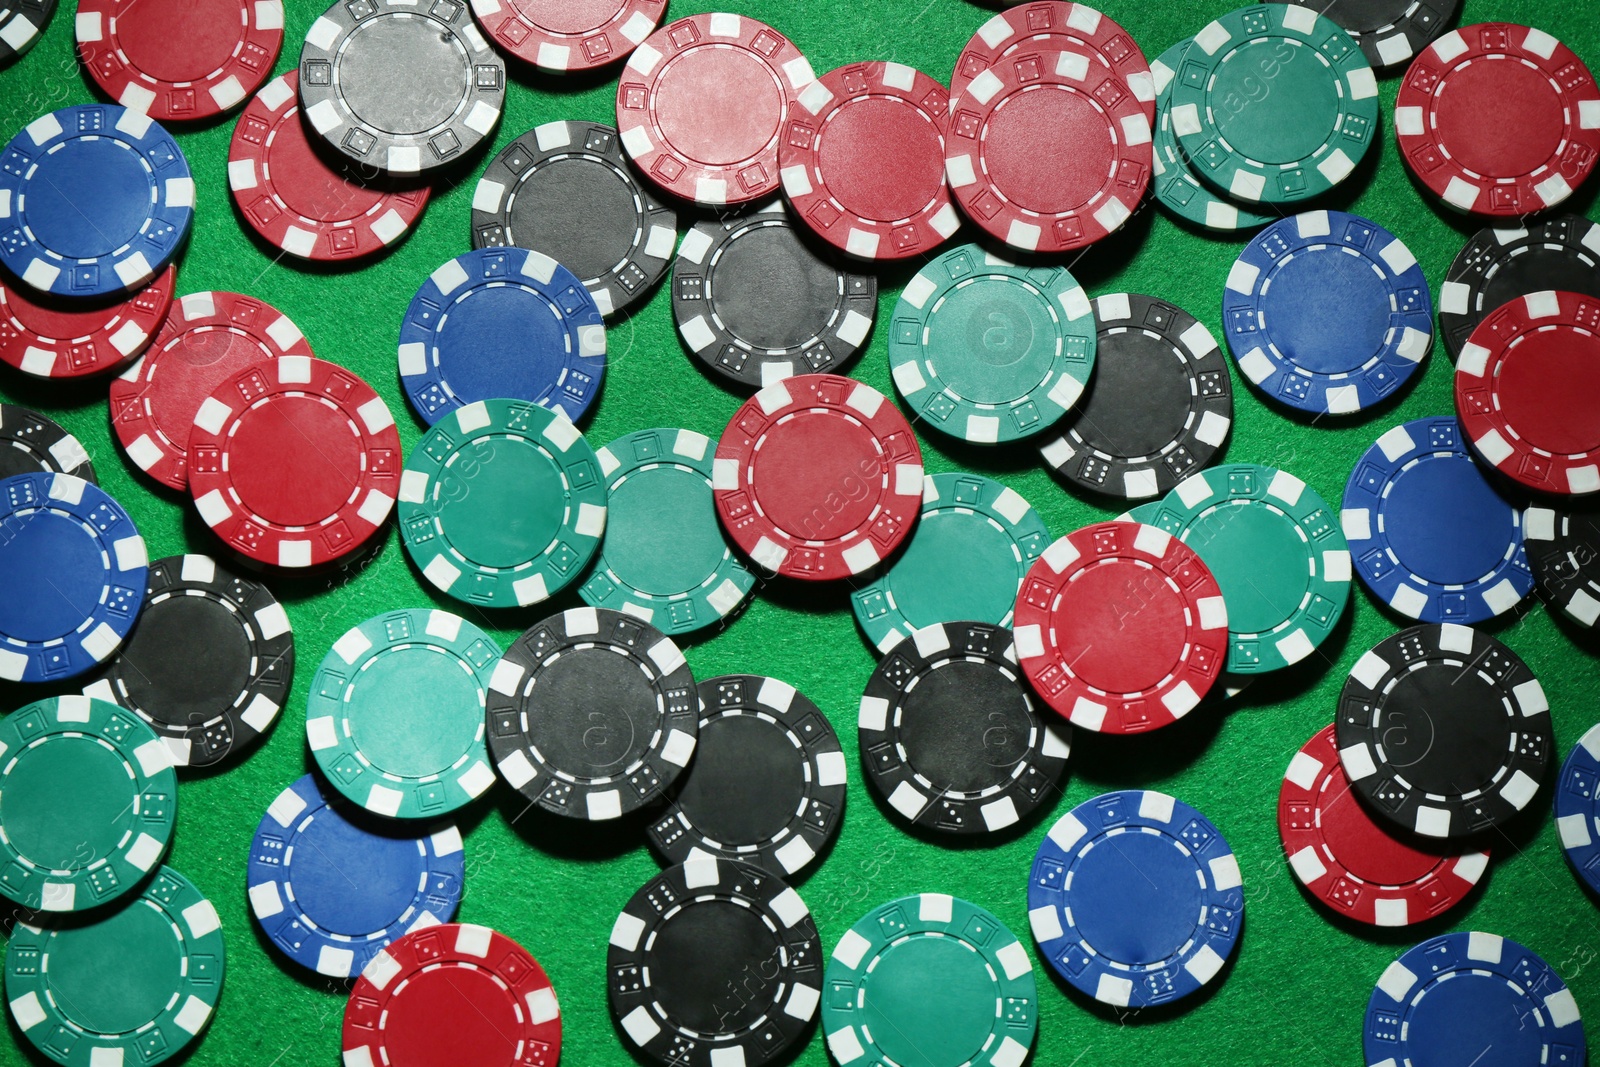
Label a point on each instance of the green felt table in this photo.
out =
(1301, 980)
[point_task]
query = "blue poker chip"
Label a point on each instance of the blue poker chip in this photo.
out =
(94, 199)
(1472, 998)
(1578, 808)
(73, 569)
(1135, 899)
(1327, 312)
(1429, 536)
(331, 893)
(502, 323)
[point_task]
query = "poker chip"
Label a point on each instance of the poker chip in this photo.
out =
(1499, 265)
(1349, 862)
(90, 800)
(755, 305)
(402, 88)
(1525, 382)
(209, 666)
(32, 444)
(568, 35)
(502, 504)
(95, 200)
(1389, 31)
(592, 714)
(298, 202)
(61, 340)
(1481, 991)
(206, 339)
(294, 462)
(862, 161)
(879, 1005)
(950, 737)
(1048, 151)
(991, 351)
(395, 716)
(1429, 536)
(1443, 731)
(1324, 116)
(501, 323)
(500, 1004)
(227, 50)
(676, 944)
(330, 892)
(566, 189)
(1564, 552)
(73, 567)
(818, 477)
(703, 103)
(1464, 95)
(767, 784)
(137, 985)
(1313, 355)
(1577, 808)
(1121, 628)
(665, 559)
(1174, 183)
(1159, 407)
(1135, 899)
(20, 26)
(988, 527)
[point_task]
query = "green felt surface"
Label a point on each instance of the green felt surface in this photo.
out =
(1300, 981)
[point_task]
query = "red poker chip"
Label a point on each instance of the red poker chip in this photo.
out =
(1499, 119)
(73, 341)
(294, 199)
(176, 59)
(563, 35)
(452, 993)
(294, 462)
(862, 162)
(1526, 383)
(1048, 151)
(1053, 25)
(818, 477)
(1121, 628)
(701, 105)
(1352, 864)
(206, 339)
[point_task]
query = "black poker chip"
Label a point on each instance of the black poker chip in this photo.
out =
(1443, 731)
(592, 714)
(714, 963)
(30, 443)
(1158, 408)
(208, 665)
(565, 189)
(21, 24)
(1390, 32)
(950, 736)
(767, 784)
(1564, 552)
(756, 304)
(1499, 265)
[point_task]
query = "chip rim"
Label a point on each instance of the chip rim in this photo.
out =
(119, 340)
(563, 52)
(49, 444)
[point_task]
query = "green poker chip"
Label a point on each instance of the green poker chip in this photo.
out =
(879, 1007)
(1274, 104)
(502, 504)
(972, 546)
(88, 799)
(989, 351)
(665, 559)
(396, 713)
(1277, 552)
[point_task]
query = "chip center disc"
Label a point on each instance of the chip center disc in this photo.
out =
(483, 1029)
(1445, 523)
(305, 183)
(50, 829)
(190, 369)
(1120, 626)
(186, 690)
(1473, 1018)
(769, 291)
(1445, 730)
(1548, 382)
(593, 711)
(718, 105)
(1248, 107)
(1367, 851)
(715, 963)
(89, 197)
(881, 158)
(42, 549)
(1259, 559)
(502, 501)
(993, 339)
(1135, 897)
(927, 589)
(1141, 399)
(501, 340)
(1295, 307)
(808, 475)
(579, 211)
(349, 881)
(437, 73)
(965, 727)
(1049, 149)
(1500, 119)
(294, 461)
(118, 974)
(659, 539)
(414, 710)
(148, 29)
(569, 17)
(929, 1000)
(748, 780)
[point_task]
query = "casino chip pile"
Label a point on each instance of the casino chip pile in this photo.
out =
(771, 201)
